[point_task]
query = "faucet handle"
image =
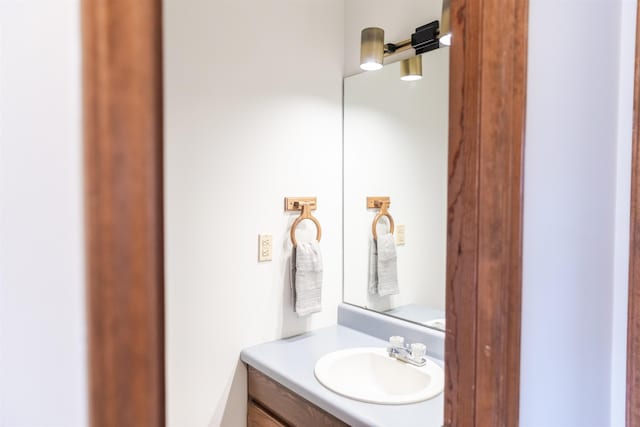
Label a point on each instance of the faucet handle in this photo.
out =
(396, 341)
(418, 350)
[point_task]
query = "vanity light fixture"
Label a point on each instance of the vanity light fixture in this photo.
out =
(373, 49)
(445, 24)
(411, 69)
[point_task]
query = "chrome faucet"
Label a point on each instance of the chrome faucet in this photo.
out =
(413, 354)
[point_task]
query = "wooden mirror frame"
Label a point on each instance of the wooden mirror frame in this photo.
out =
(484, 239)
(123, 126)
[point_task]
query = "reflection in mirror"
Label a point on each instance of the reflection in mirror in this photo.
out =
(395, 145)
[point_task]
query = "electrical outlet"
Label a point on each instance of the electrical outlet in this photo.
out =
(400, 232)
(265, 247)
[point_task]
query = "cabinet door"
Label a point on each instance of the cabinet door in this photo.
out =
(256, 417)
(288, 406)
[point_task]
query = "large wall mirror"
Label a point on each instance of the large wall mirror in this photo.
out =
(396, 146)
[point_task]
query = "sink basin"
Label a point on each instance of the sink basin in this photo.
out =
(368, 374)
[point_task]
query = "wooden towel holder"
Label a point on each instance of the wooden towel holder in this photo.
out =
(306, 205)
(383, 204)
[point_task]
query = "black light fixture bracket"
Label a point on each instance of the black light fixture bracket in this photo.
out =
(423, 40)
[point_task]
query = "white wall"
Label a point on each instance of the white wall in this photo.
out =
(395, 144)
(42, 318)
(253, 114)
(570, 213)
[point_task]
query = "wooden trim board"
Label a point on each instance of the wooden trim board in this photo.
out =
(122, 72)
(484, 240)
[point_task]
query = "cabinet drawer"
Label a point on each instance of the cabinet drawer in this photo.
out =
(286, 405)
(256, 417)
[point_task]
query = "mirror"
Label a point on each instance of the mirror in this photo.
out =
(395, 145)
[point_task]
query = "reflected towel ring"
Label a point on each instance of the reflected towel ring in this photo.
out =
(383, 212)
(306, 214)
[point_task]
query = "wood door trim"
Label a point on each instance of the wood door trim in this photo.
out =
(122, 96)
(484, 240)
(633, 328)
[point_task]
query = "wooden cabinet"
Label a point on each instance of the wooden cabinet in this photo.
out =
(273, 405)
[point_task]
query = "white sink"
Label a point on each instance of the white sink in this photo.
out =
(368, 374)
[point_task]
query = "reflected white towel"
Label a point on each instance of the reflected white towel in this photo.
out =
(373, 267)
(306, 278)
(387, 265)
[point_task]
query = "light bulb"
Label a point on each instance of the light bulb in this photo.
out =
(371, 66)
(410, 78)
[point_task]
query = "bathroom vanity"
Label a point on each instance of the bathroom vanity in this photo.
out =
(283, 390)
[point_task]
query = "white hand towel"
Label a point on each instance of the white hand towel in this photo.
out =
(306, 278)
(387, 265)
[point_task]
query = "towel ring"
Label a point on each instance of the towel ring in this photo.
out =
(306, 214)
(383, 212)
